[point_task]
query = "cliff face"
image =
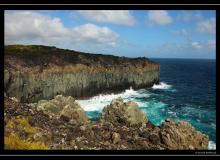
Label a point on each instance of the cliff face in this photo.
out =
(34, 72)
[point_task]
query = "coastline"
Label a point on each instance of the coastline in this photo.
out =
(132, 130)
(98, 102)
(43, 81)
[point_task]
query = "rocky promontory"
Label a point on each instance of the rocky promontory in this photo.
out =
(35, 72)
(61, 123)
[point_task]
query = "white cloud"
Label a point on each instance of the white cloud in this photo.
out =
(91, 32)
(207, 26)
(183, 32)
(196, 45)
(122, 17)
(27, 26)
(160, 17)
(188, 16)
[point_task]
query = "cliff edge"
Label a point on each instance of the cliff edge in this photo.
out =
(34, 72)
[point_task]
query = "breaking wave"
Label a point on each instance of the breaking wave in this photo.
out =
(99, 102)
(161, 85)
(212, 145)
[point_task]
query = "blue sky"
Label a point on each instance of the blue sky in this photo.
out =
(131, 33)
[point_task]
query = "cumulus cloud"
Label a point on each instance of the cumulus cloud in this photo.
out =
(29, 25)
(188, 16)
(198, 47)
(159, 17)
(90, 32)
(207, 26)
(186, 33)
(40, 28)
(122, 17)
(204, 45)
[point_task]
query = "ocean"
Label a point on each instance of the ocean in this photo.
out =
(187, 91)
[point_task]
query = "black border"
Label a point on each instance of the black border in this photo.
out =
(105, 152)
(110, 2)
(109, 7)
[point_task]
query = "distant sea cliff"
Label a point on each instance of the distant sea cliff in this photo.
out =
(35, 72)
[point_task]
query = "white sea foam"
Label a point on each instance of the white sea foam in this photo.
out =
(161, 85)
(212, 145)
(97, 103)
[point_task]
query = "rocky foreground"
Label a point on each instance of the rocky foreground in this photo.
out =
(35, 72)
(61, 123)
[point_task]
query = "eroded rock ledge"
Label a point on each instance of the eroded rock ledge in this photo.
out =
(62, 124)
(32, 73)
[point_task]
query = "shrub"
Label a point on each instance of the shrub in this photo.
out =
(14, 142)
(21, 122)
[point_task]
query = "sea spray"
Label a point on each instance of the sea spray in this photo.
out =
(161, 85)
(97, 103)
(212, 145)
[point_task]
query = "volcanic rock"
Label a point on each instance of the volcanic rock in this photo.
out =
(36, 128)
(116, 137)
(64, 107)
(119, 112)
(35, 72)
(182, 135)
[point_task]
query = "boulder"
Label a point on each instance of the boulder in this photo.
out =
(119, 112)
(109, 133)
(76, 113)
(49, 107)
(154, 138)
(64, 107)
(182, 135)
(116, 137)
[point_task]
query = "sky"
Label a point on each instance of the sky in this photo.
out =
(129, 33)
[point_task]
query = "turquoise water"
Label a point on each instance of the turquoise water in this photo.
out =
(187, 91)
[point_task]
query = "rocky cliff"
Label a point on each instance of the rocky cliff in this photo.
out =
(60, 123)
(36, 72)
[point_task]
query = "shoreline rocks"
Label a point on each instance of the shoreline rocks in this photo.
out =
(122, 126)
(119, 112)
(66, 108)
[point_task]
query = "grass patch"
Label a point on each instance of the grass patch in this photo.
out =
(22, 123)
(14, 142)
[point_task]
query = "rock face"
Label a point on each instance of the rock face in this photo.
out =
(31, 128)
(182, 135)
(170, 135)
(33, 73)
(119, 112)
(64, 107)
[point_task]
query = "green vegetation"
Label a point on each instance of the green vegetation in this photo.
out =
(14, 142)
(50, 54)
(87, 148)
(20, 126)
(27, 48)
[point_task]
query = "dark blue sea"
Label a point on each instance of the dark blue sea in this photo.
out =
(187, 91)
